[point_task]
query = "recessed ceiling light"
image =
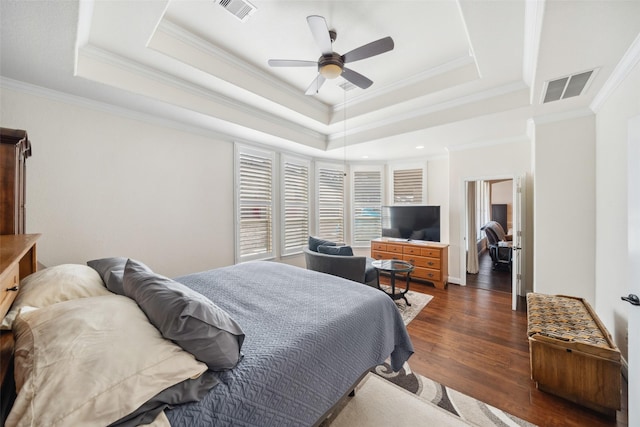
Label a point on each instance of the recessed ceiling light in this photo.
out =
(420, 147)
(365, 157)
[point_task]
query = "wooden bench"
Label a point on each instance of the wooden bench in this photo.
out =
(572, 353)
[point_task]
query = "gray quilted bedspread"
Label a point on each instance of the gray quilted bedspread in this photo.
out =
(309, 337)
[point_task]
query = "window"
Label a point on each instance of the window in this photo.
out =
(295, 204)
(408, 186)
(367, 202)
(254, 203)
(330, 202)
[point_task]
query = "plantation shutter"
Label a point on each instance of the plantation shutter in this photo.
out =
(367, 202)
(255, 204)
(295, 222)
(407, 186)
(331, 203)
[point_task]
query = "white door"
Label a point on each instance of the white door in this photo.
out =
(517, 262)
(633, 207)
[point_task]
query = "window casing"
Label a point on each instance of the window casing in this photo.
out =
(254, 203)
(295, 206)
(330, 202)
(367, 198)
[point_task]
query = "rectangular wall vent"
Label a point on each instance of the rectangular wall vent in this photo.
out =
(241, 9)
(566, 87)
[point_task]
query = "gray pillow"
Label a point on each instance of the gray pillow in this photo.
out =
(314, 242)
(336, 250)
(185, 316)
(111, 270)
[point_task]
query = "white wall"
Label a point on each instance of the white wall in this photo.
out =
(438, 192)
(564, 254)
(101, 185)
(612, 268)
(488, 162)
(502, 194)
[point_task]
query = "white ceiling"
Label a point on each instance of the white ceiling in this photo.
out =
(462, 72)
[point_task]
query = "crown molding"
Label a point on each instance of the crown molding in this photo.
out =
(629, 60)
(103, 107)
(457, 102)
(185, 36)
(134, 67)
(488, 143)
(472, 53)
(416, 78)
(533, 18)
(562, 116)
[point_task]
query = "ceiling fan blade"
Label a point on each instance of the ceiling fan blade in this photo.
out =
(356, 78)
(315, 85)
(368, 50)
(291, 63)
(320, 32)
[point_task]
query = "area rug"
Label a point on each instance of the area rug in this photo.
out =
(417, 300)
(472, 411)
(379, 402)
(405, 398)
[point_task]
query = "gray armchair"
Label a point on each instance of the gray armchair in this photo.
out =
(356, 268)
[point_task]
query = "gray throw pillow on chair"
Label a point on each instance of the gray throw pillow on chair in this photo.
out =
(314, 242)
(335, 250)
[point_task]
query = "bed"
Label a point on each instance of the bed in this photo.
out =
(297, 342)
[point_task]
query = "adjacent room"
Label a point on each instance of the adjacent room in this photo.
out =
(217, 192)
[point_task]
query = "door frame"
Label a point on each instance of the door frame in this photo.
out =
(633, 218)
(463, 225)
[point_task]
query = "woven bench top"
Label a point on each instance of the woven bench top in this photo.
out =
(563, 318)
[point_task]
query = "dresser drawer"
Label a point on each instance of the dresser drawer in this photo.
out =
(9, 281)
(426, 273)
(375, 246)
(411, 250)
(394, 248)
(422, 261)
(385, 255)
(431, 253)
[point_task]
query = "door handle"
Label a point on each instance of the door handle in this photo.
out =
(631, 299)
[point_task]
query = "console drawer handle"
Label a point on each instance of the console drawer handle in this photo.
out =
(13, 288)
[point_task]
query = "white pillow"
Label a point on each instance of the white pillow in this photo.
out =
(91, 361)
(56, 284)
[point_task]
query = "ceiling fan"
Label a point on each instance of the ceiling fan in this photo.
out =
(331, 64)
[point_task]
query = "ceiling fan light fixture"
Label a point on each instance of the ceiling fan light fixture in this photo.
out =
(330, 71)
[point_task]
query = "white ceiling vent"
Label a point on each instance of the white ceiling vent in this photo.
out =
(566, 87)
(241, 9)
(347, 86)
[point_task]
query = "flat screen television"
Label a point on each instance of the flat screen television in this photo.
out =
(411, 222)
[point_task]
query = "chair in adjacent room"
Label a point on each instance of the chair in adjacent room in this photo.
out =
(499, 244)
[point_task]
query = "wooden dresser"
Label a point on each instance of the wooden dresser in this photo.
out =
(430, 259)
(17, 260)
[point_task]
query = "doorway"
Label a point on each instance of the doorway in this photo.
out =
(484, 199)
(492, 200)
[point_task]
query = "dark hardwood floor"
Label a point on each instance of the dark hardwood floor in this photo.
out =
(487, 278)
(469, 339)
